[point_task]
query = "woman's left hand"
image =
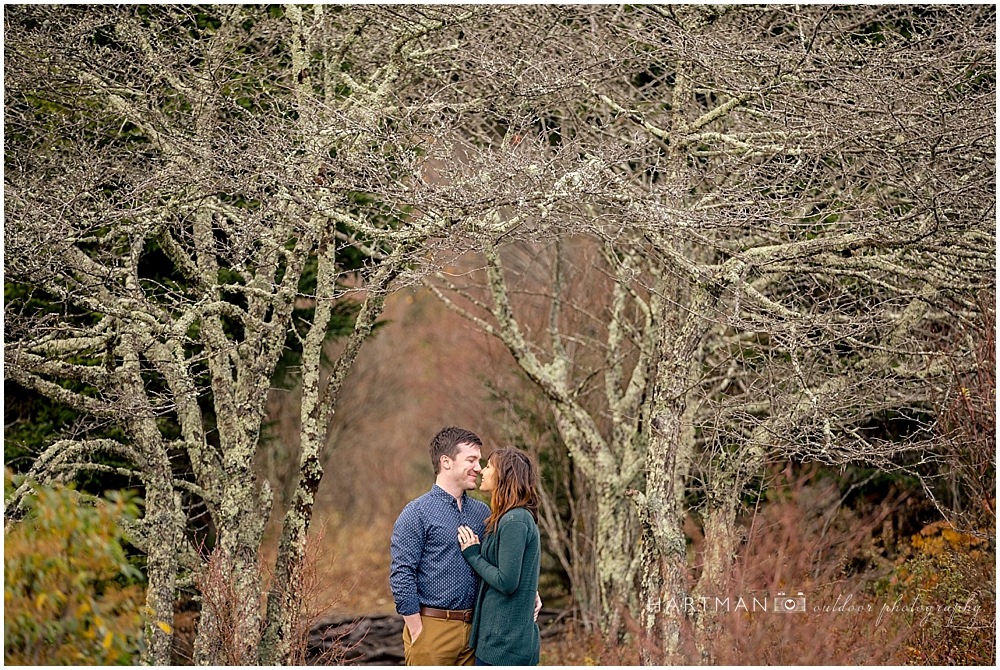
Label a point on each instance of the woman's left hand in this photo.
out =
(466, 538)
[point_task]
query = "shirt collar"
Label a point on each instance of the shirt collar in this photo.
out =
(441, 493)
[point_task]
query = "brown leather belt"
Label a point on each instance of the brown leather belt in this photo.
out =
(449, 615)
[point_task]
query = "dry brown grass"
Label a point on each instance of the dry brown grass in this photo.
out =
(355, 564)
(872, 597)
(793, 545)
(576, 646)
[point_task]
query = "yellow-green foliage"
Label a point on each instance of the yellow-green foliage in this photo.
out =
(64, 567)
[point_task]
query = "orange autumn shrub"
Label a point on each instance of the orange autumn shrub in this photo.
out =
(945, 590)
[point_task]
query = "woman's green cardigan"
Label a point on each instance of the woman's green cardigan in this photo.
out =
(504, 631)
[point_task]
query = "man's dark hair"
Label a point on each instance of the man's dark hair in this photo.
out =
(446, 442)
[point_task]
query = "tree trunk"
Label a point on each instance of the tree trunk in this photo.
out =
(162, 510)
(615, 552)
(664, 582)
(229, 630)
(719, 549)
(665, 571)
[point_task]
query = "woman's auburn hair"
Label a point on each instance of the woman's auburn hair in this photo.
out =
(516, 485)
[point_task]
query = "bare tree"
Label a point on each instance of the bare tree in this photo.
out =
(171, 188)
(802, 190)
(178, 181)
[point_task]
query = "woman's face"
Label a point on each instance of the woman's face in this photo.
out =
(489, 478)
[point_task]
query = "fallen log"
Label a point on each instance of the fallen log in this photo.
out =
(377, 639)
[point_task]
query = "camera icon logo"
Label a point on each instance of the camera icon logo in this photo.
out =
(786, 603)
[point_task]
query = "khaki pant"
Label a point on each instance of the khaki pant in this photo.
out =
(441, 642)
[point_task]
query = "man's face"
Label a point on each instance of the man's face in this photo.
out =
(465, 466)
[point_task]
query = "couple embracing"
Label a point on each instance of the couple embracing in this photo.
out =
(464, 577)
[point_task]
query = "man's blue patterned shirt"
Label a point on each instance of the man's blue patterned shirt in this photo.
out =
(427, 564)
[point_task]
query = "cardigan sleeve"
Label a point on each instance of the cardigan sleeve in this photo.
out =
(512, 538)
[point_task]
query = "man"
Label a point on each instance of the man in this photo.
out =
(433, 585)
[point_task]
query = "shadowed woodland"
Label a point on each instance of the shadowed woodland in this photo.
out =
(727, 273)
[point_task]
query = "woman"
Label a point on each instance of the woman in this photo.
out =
(503, 628)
